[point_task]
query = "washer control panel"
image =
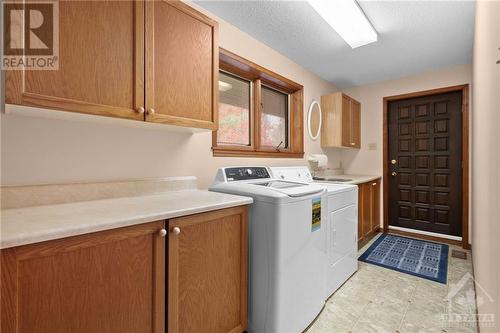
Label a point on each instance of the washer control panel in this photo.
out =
(246, 173)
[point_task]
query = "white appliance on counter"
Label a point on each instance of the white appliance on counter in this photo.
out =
(340, 230)
(286, 260)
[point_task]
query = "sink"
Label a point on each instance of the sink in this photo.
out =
(339, 179)
(328, 179)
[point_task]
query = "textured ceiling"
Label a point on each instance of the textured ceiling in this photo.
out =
(414, 36)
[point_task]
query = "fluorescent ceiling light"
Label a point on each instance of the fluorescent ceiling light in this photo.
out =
(224, 86)
(347, 19)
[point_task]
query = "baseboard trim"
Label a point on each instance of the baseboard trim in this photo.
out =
(425, 237)
(427, 233)
(365, 240)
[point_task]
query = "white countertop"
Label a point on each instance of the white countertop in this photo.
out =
(28, 225)
(355, 179)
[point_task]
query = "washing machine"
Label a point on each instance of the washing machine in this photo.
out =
(286, 262)
(340, 232)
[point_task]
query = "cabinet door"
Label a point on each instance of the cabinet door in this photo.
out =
(355, 124)
(110, 281)
(342, 233)
(207, 272)
(346, 121)
(366, 215)
(101, 62)
(360, 212)
(182, 71)
(375, 205)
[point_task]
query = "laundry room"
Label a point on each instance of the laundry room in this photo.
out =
(206, 166)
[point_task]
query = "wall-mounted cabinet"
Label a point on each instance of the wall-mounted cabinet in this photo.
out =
(182, 66)
(341, 125)
(143, 60)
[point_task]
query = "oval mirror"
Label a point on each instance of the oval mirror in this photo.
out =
(314, 120)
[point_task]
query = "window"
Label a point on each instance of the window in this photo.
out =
(234, 111)
(260, 112)
(274, 119)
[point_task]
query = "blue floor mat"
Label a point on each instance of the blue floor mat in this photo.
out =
(420, 258)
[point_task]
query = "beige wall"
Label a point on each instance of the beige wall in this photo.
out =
(367, 161)
(40, 150)
(486, 161)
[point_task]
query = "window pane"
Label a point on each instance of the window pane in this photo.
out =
(234, 111)
(274, 119)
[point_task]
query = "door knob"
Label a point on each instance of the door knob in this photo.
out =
(394, 173)
(140, 110)
(162, 232)
(151, 111)
(176, 230)
(393, 161)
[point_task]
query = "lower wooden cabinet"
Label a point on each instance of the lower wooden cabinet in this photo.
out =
(110, 281)
(368, 210)
(207, 272)
(115, 280)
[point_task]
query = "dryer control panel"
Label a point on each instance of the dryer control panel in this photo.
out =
(294, 174)
(246, 173)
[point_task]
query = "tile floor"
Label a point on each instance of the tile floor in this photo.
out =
(380, 300)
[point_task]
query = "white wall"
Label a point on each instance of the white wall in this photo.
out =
(39, 150)
(486, 161)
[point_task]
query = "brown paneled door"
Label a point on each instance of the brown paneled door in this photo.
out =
(425, 163)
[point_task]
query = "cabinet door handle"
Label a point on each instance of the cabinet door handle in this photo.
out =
(140, 110)
(162, 232)
(176, 230)
(151, 111)
(353, 143)
(374, 184)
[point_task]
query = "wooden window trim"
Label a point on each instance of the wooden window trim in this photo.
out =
(238, 66)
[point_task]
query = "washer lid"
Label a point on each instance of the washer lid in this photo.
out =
(271, 191)
(336, 188)
(292, 189)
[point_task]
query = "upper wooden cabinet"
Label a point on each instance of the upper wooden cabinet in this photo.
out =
(182, 65)
(153, 60)
(341, 125)
(109, 281)
(101, 62)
